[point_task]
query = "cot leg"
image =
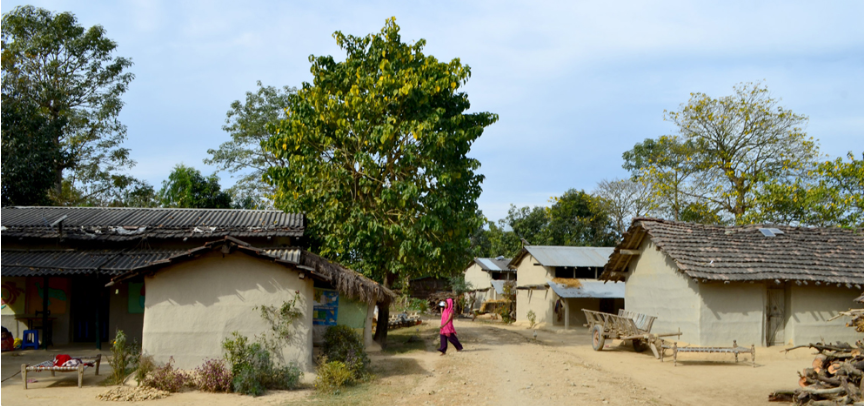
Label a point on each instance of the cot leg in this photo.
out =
(662, 350)
(80, 375)
(98, 361)
(675, 354)
(53, 373)
(735, 349)
(24, 374)
(753, 354)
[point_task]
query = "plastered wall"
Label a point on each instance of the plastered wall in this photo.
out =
(810, 307)
(541, 301)
(119, 317)
(479, 279)
(731, 312)
(654, 286)
(191, 307)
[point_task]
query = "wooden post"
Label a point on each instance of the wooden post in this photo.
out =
(98, 310)
(24, 374)
(675, 354)
(80, 375)
(566, 314)
(735, 349)
(45, 291)
(98, 361)
(753, 354)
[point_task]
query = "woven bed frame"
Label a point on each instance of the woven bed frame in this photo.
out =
(50, 368)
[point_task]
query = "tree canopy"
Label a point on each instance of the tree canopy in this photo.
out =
(726, 150)
(247, 123)
(375, 152)
(187, 188)
(65, 81)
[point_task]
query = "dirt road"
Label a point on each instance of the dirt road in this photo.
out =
(501, 365)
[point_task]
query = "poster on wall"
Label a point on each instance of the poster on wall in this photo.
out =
(58, 295)
(136, 298)
(325, 308)
(13, 296)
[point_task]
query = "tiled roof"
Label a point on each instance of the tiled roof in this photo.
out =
(121, 223)
(746, 253)
(125, 264)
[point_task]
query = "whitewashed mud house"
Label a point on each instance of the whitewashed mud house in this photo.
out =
(487, 277)
(556, 283)
(177, 280)
(765, 285)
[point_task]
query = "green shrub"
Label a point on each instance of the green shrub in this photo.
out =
(532, 318)
(343, 344)
(332, 376)
(146, 365)
(253, 368)
(124, 357)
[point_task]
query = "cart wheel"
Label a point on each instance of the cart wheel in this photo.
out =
(598, 338)
(639, 345)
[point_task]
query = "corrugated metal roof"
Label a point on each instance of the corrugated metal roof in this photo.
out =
(570, 256)
(498, 284)
(590, 288)
(493, 264)
(71, 262)
(122, 223)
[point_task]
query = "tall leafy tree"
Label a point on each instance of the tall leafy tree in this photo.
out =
(74, 83)
(245, 154)
(375, 152)
(747, 138)
(187, 188)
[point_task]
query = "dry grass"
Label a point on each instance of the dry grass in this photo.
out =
(568, 282)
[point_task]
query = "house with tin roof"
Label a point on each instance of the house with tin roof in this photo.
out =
(178, 281)
(557, 282)
(757, 284)
(487, 277)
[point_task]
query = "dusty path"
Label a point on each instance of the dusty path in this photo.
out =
(501, 365)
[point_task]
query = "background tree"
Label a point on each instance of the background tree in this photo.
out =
(623, 200)
(187, 188)
(747, 138)
(668, 167)
(375, 152)
(247, 123)
(28, 152)
(825, 194)
(69, 75)
(579, 219)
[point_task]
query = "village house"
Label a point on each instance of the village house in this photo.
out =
(487, 277)
(178, 281)
(556, 283)
(762, 285)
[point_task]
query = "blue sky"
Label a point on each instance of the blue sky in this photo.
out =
(575, 83)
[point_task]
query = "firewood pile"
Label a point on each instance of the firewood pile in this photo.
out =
(835, 377)
(857, 321)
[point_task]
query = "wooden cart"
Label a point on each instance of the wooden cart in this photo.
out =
(626, 325)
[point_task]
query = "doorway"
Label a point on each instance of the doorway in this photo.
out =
(775, 333)
(89, 307)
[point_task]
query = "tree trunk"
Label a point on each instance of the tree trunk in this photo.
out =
(384, 314)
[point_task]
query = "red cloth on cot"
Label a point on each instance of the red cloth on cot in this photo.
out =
(61, 359)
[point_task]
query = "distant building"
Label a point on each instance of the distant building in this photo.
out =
(487, 277)
(763, 285)
(556, 283)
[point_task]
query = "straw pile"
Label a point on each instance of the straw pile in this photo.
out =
(568, 282)
(136, 394)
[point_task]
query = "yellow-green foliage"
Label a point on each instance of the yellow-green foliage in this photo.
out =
(332, 376)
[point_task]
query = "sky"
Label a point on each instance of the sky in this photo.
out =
(575, 83)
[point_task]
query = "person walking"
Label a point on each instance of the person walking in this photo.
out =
(448, 333)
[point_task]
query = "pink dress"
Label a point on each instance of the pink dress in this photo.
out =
(447, 329)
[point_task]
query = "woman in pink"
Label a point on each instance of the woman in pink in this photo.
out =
(447, 330)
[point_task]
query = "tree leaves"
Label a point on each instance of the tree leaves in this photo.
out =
(376, 157)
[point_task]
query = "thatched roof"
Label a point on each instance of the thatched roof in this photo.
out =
(747, 253)
(346, 281)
